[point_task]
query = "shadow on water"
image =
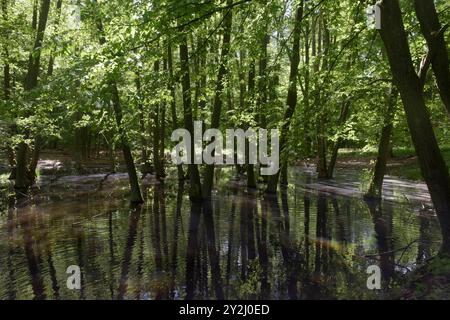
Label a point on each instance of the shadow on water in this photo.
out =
(308, 242)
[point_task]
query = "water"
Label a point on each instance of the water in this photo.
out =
(315, 241)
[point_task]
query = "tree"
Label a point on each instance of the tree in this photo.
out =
(434, 35)
(291, 98)
(25, 172)
(432, 164)
(217, 108)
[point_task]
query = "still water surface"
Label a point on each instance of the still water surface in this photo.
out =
(314, 241)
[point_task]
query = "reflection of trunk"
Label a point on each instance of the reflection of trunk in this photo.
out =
(425, 241)
(213, 255)
(10, 288)
(383, 230)
(217, 109)
(165, 243)
(376, 186)
(287, 251)
(157, 231)
(243, 236)
(37, 281)
(81, 259)
(176, 227)
(251, 208)
(321, 233)
(192, 250)
(202, 263)
(261, 232)
(230, 242)
(341, 234)
(129, 245)
(433, 166)
(434, 35)
(48, 251)
(112, 260)
(140, 263)
(307, 204)
(291, 99)
(195, 188)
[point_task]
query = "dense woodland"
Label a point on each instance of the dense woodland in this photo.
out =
(114, 78)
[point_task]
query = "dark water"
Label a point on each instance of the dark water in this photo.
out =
(314, 241)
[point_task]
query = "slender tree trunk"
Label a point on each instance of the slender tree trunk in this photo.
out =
(432, 164)
(342, 119)
(35, 56)
(434, 35)
(6, 67)
(376, 186)
(51, 60)
(34, 17)
(7, 84)
(291, 98)
(195, 190)
(31, 81)
(173, 103)
(217, 110)
(162, 133)
(251, 178)
(156, 129)
(135, 197)
(145, 165)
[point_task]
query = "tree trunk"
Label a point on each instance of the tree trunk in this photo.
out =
(35, 56)
(6, 67)
(195, 190)
(342, 119)
(251, 178)
(432, 164)
(291, 98)
(51, 60)
(135, 197)
(145, 165)
(156, 129)
(31, 82)
(173, 103)
(217, 110)
(434, 35)
(376, 186)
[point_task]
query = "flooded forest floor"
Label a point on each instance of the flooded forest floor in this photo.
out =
(315, 240)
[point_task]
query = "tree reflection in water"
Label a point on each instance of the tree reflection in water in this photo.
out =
(301, 244)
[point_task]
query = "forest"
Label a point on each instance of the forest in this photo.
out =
(92, 92)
